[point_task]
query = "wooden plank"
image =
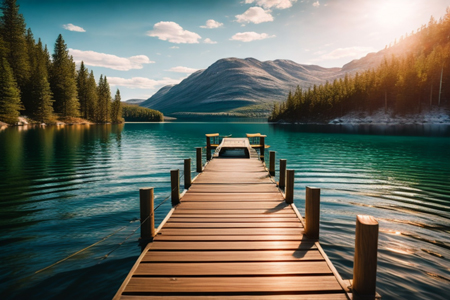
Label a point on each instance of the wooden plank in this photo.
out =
(231, 256)
(259, 217)
(232, 268)
(232, 231)
(229, 238)
(234, 188)
(230, 245)
(234, 205)
(222, 197)
(232, 179)
(232, 225)
(231, 220)
(233, 284)
(259, 212)
(283, 296)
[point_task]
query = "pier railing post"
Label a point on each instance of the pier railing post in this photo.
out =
(175, 186)
(208, 148)
(282, 181)
(272, 163)
(199, 160)
(312, 212)
(365, 261)
(289, 194)
(262, 147)
(187, 173)
(146, 200)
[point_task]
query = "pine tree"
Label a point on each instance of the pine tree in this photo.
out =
(104, 101)
(42, 97)
(116, 109)
(91, 97)
(12, 30)
(82, 78)
(63, 81)
(10, 104)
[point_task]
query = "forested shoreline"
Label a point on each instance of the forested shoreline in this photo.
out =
(410, 83)
(48, 88)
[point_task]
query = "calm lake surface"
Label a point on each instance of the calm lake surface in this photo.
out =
(64, 189)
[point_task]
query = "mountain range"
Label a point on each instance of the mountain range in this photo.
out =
(233, 85)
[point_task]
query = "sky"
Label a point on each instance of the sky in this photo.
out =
(143, 45)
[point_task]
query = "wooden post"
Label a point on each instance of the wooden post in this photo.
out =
(282, 181)
(199, 160)
(262, 146)
(208, 148)
(146, 199)
(289, 193)
(175, 186)
(312, 212)
(272, 163)
(365, 261)
(187, 173)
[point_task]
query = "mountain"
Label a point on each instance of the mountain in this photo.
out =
(232, 83)
(134, 101)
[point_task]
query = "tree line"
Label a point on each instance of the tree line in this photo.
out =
(408, 83)
(135, 113)
(45, 87)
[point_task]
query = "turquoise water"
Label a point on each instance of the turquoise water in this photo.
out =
(64, 189)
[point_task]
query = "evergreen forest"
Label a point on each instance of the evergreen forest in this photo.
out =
(47, 87)
(410, 83)
(135, 113)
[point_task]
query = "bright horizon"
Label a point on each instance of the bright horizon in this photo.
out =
(143, 45)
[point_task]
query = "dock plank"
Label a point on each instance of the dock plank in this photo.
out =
(232, 256)
(233, 284)
(231, 231)
(233, 245)
(233, 268)
(224, 197)
(284, 296)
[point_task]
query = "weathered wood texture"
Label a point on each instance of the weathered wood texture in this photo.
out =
(232, 236)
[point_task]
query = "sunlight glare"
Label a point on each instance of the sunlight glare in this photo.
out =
(392, 13)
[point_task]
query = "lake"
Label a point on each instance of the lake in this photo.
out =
(65, 189)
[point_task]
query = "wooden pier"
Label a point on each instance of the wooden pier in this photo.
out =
(234, 235)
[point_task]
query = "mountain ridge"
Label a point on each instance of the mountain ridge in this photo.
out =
(232, 83)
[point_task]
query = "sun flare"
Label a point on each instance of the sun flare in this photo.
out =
(392, 13)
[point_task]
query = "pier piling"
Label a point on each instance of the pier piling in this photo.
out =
(199, 159)
(282, 180)
(289, 193)
(272, 163)
(146, 199)
(365, 260)
(175, 186)
(312, 212)
(187, 173)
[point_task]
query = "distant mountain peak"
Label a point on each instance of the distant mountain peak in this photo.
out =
(231, 83)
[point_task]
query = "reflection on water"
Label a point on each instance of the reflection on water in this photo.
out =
(65, 188)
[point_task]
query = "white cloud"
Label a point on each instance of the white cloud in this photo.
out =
(350, 52)
(209, 41)
(181, 69)
(96, 59)
(250, 36)
(141, 82)
(255, 15)
(174, 47)
(174, 33)
(280, 4)
(316, 4)
(212, 24)
(72, 27)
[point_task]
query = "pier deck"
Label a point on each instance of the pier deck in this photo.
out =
(233, 237)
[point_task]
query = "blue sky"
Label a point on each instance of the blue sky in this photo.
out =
(143, 45)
